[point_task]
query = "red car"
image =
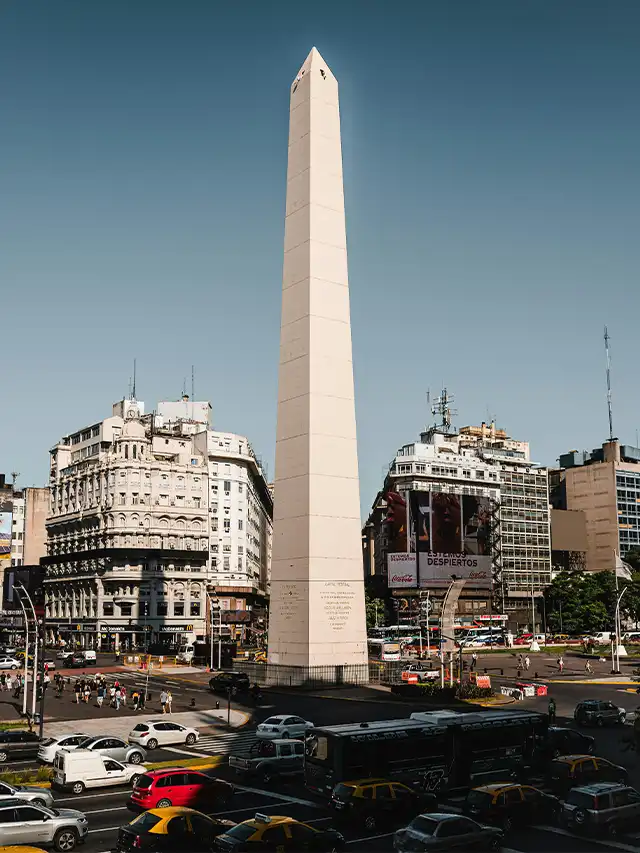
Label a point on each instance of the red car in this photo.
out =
(523, 640)
(179, 786)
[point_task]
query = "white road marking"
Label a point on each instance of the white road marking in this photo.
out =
(369, 838)
(89, 796)
(617, 845)
(116, 809)
(282, 797)
(185, 752)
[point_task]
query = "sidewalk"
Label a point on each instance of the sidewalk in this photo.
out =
(121, 726)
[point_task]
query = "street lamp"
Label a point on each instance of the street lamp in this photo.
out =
(618, 629)
(35, 652)
(215, 607)
(26, 653)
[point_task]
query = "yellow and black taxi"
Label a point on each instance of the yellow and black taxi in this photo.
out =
(570, 771)
(175, 828)
(507, 803)
(378, 802)
(278, 834)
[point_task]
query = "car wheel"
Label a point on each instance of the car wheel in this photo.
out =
(3, 756)
(135, 779)
(13, 666)
(267, 776)
(622, 719)
(556, 753)
(579, 816)
(135, 758)
(507, 824)
(151, 744)
(599, 722)
(190, 740)
(39, 802)
(64, 840)
(494, 843)
(78, 787)
(164, 803)
(370, 823)
(285, 735)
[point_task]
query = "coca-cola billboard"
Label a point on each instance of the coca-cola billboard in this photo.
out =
(402, 571)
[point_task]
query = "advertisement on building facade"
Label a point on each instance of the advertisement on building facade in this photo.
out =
(397, 523)
(6, 515)
(449, 537)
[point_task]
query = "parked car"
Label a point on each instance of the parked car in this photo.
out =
(597, 712)
(64, 653)
(114, 747)
(78, 769)
(446, 832)
(49, 746)
(564, 741)
(573, 771)
(26, 823)
(74, 661)
(372, 803)
(604, 807)
(10, 663)
(171, 829)
(18, 745)
(178, 786)
(275, 832)
(506, 804)
(238, 682)
(269, 759)
(283, 726)
(156, 733)
(39, 796)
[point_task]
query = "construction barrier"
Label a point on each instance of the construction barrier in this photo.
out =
(145, 662)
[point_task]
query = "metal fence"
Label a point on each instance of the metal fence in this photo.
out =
(276, 675)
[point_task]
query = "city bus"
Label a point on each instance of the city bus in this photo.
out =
(383, 650)
(439, 750)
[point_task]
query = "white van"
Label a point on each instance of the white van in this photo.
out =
(89, 655)
(75, 770)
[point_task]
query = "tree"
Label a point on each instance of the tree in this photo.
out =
(585, 602)
(374, 610)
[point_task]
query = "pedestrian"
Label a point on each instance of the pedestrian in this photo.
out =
(587, 667)
(123, 695)
(474, 661)
(3, 681)
(520, 661)
(552, 710)
(169, 701)
(118, 698)
(100, 696)
(112, 696)
(135, 698)
(527, 663)
(47, 679)
(561, 664)
(142, 700)
(77, 690)
(163, 701)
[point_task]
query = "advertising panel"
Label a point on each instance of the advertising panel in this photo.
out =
(402, 571)
(449, 535)
(6, 514)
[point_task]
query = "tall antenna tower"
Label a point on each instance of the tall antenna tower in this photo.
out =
(133, 386)
(608, 355)
(14, 477)
(442, 408)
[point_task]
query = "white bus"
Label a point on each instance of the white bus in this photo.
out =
(383, 650)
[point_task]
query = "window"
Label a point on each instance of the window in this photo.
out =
(195, 608)
(178, 608)
(240, 488)
(227, 485)
(125, 609)
(135, 498)
(107, 608)
(383, 792)
(479, 475)
(122, 498)
(196, 503)
(227, 525)
(226, 563)
(240, 524)
(162, 608)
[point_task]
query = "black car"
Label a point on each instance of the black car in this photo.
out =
(563, 741)
(237, 682)
(279, 833)
(373, 803)
(18, 745)
(446, 832)
(171, 829)
(507, 804)
(596, 712)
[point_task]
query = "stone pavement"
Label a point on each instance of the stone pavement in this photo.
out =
(120, 726)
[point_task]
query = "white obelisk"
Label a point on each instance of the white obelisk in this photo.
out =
(317, 614)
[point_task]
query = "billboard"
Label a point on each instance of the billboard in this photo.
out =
(397, 522)
(449, 536)
(6, 515)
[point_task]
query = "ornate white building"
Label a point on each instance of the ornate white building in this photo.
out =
(132, 538)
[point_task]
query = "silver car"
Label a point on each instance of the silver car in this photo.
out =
(23, 823)
(114, 747)
(39, 796)
(49, 746)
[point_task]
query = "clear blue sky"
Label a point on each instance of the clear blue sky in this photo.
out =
(492, 178)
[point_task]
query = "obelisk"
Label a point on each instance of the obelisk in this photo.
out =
(317, 614)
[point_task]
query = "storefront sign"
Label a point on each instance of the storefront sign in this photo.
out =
(122, 629)
(175, 629)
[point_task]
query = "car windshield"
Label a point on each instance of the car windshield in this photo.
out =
(48, 741)
(144, 782)
(479, 798)
(141, 727)
(241, 831)
(343, 791)
(145, 822)
(424, 825)
(273, 721)
(579, 798)
(85, 742)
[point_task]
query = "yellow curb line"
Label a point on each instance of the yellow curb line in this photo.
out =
(597, 683)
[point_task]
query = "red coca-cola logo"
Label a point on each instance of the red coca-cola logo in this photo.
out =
(402, 578)
(477, 575)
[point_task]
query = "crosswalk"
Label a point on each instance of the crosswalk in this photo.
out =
(228, 743)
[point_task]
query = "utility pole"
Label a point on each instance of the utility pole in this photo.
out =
(609, 407)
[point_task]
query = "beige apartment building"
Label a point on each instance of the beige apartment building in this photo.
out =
(605, 486)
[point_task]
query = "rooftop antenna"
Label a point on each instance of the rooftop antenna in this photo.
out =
(442, 407)
(14, 477)
(133, 387)
(193, 390)
(608, 354)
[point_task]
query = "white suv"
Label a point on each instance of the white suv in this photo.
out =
(156, 733)
(283, 726)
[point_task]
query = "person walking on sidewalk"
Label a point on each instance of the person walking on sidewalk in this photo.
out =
(520, 661)
(112, 696)
(527, 663)
(169, 701)
(135, 698)
(588, 668)
(163, 701)
(100, 696)
(474, 661)
(118, 698)
(77, 689)
(123, 695)
(552, 711)
(561, 664)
